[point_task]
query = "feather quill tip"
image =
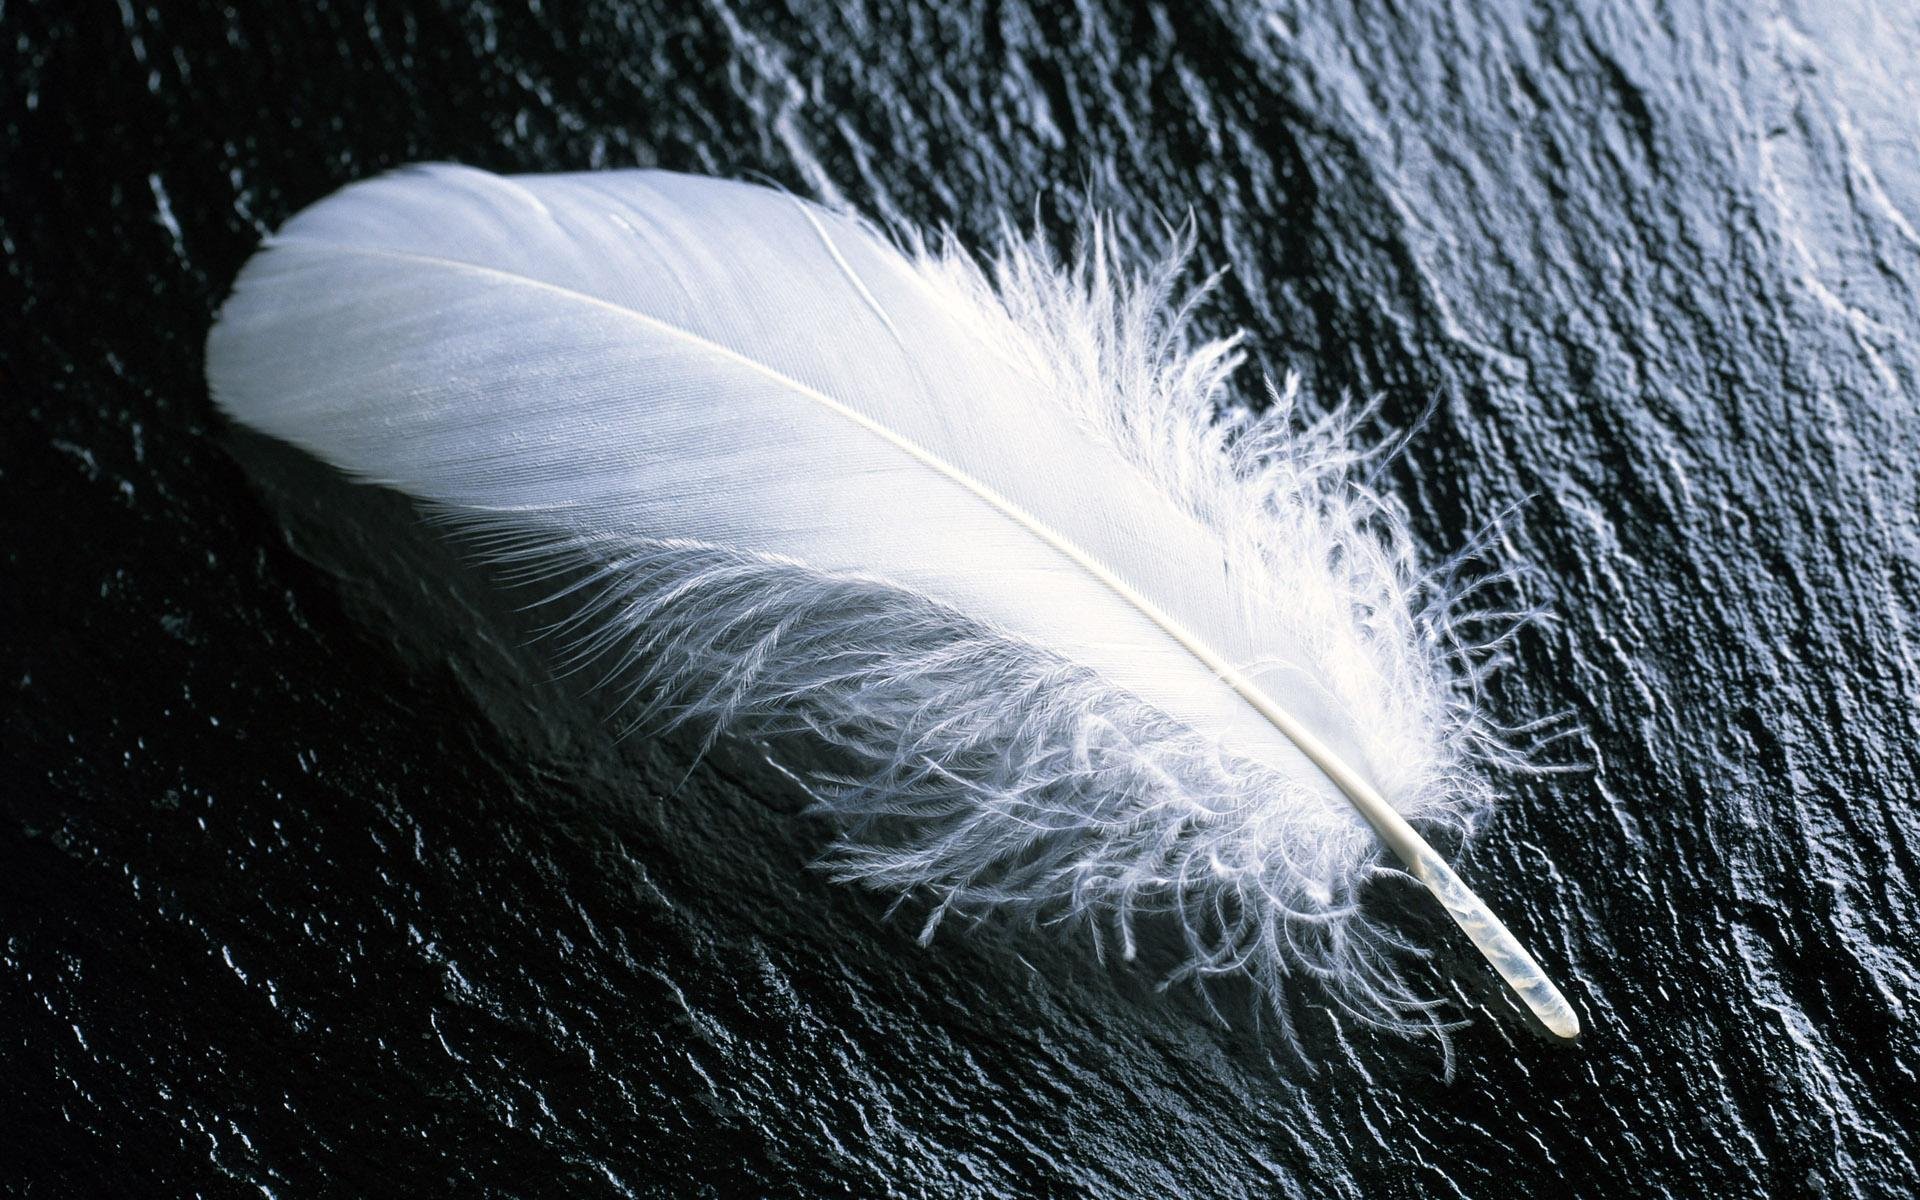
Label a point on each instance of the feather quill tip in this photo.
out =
(1516, 966)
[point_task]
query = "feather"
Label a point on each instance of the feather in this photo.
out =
(1074, 647)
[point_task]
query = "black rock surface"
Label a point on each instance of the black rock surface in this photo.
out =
(313, 882)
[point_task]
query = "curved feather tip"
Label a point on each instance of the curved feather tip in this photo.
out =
(1059, 639)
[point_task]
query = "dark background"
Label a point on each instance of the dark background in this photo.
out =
(312, 882)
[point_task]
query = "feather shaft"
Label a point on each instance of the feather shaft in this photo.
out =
(1489, 935)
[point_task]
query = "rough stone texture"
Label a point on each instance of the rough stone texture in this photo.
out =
(315, 884)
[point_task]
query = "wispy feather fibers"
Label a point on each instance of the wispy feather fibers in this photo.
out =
(800, 481)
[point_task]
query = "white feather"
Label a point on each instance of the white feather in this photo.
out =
(1079, 648)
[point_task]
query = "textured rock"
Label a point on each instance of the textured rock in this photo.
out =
(313, 881)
